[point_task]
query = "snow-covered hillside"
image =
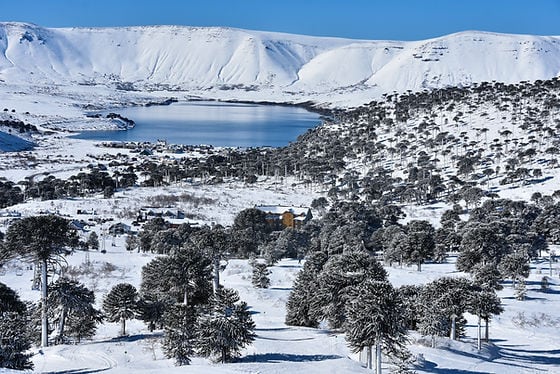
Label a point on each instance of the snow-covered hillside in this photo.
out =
(266, 66)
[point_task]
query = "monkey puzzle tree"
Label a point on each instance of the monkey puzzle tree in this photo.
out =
(42, 239)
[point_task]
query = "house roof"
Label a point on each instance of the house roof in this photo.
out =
(279, 209)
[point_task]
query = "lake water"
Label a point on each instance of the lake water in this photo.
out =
(213, 123)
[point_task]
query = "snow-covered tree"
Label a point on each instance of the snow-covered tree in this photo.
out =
(120, 304)
(184, 275)
(180, 333)
(444, 301)
(226, 328)
(70, 298)
(374, 318)
(419, 243)
(43, 239)
(298, 307)
(93, 241)
(260, 277)
(484, 304)
(339, 274)
(15, 331)
(515, 266)
(152, 308)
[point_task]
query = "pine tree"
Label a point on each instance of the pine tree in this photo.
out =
(15, 331)
(82, 324)
(93, 241)
(444, 301)
(375, 319)
(185, 276)
(260, 277)
(152, 308)
(15, 340)
(44, 239)
(226, 329)
(70, 298)
(180, 333)
(483, 304)
(120, 304)
(298, 307)
(339, 275)
(419, 242)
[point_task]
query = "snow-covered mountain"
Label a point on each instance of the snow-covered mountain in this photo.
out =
(274, 66)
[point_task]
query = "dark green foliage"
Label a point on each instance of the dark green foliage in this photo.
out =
(298, 307)
(93, 241)
(151, 309)
(226, 329)
(184, 276)
(15, 340)
(9, 300)
(419, 243)
(15, 331)
(374, 314)
(440, 300)
(180, 333)
(39, 237)
(260, 277)
(339, 275)
(250, 229)
(148, 232)
(70, 301)
(411, 305)
(120, 304)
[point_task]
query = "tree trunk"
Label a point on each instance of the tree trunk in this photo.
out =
(486, 335)
(61, 325)
(419, 265)
(369, 362)
(186, 297)
(378, 356)
(453, 328)
(478, 335)
(224, 355)
(216, 266)
(123, 326)
(44, 317)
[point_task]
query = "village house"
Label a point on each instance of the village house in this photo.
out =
(147, 213)
(281, 217)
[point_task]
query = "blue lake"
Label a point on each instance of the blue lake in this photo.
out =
(213, 123)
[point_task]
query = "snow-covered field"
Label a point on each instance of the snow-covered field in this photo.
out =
(515, 347)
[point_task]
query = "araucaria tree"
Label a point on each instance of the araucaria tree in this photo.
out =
(120, 304)
(226, 329)
(180, 333)
(15, 337)
(374, 318)
(70, 300)
(43, 239)
(298, 308)
(419, 243)
(260, 277)
(339, 275)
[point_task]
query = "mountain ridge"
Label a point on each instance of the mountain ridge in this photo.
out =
(276, 66)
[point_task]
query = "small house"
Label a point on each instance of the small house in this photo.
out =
(281, 217)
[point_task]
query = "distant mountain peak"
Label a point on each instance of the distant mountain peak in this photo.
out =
(274, 66)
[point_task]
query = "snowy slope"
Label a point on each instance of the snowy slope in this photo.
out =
(272, 64)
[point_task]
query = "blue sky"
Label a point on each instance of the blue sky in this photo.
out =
(360, 19)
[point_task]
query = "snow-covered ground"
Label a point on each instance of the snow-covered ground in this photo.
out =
(515, 347)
